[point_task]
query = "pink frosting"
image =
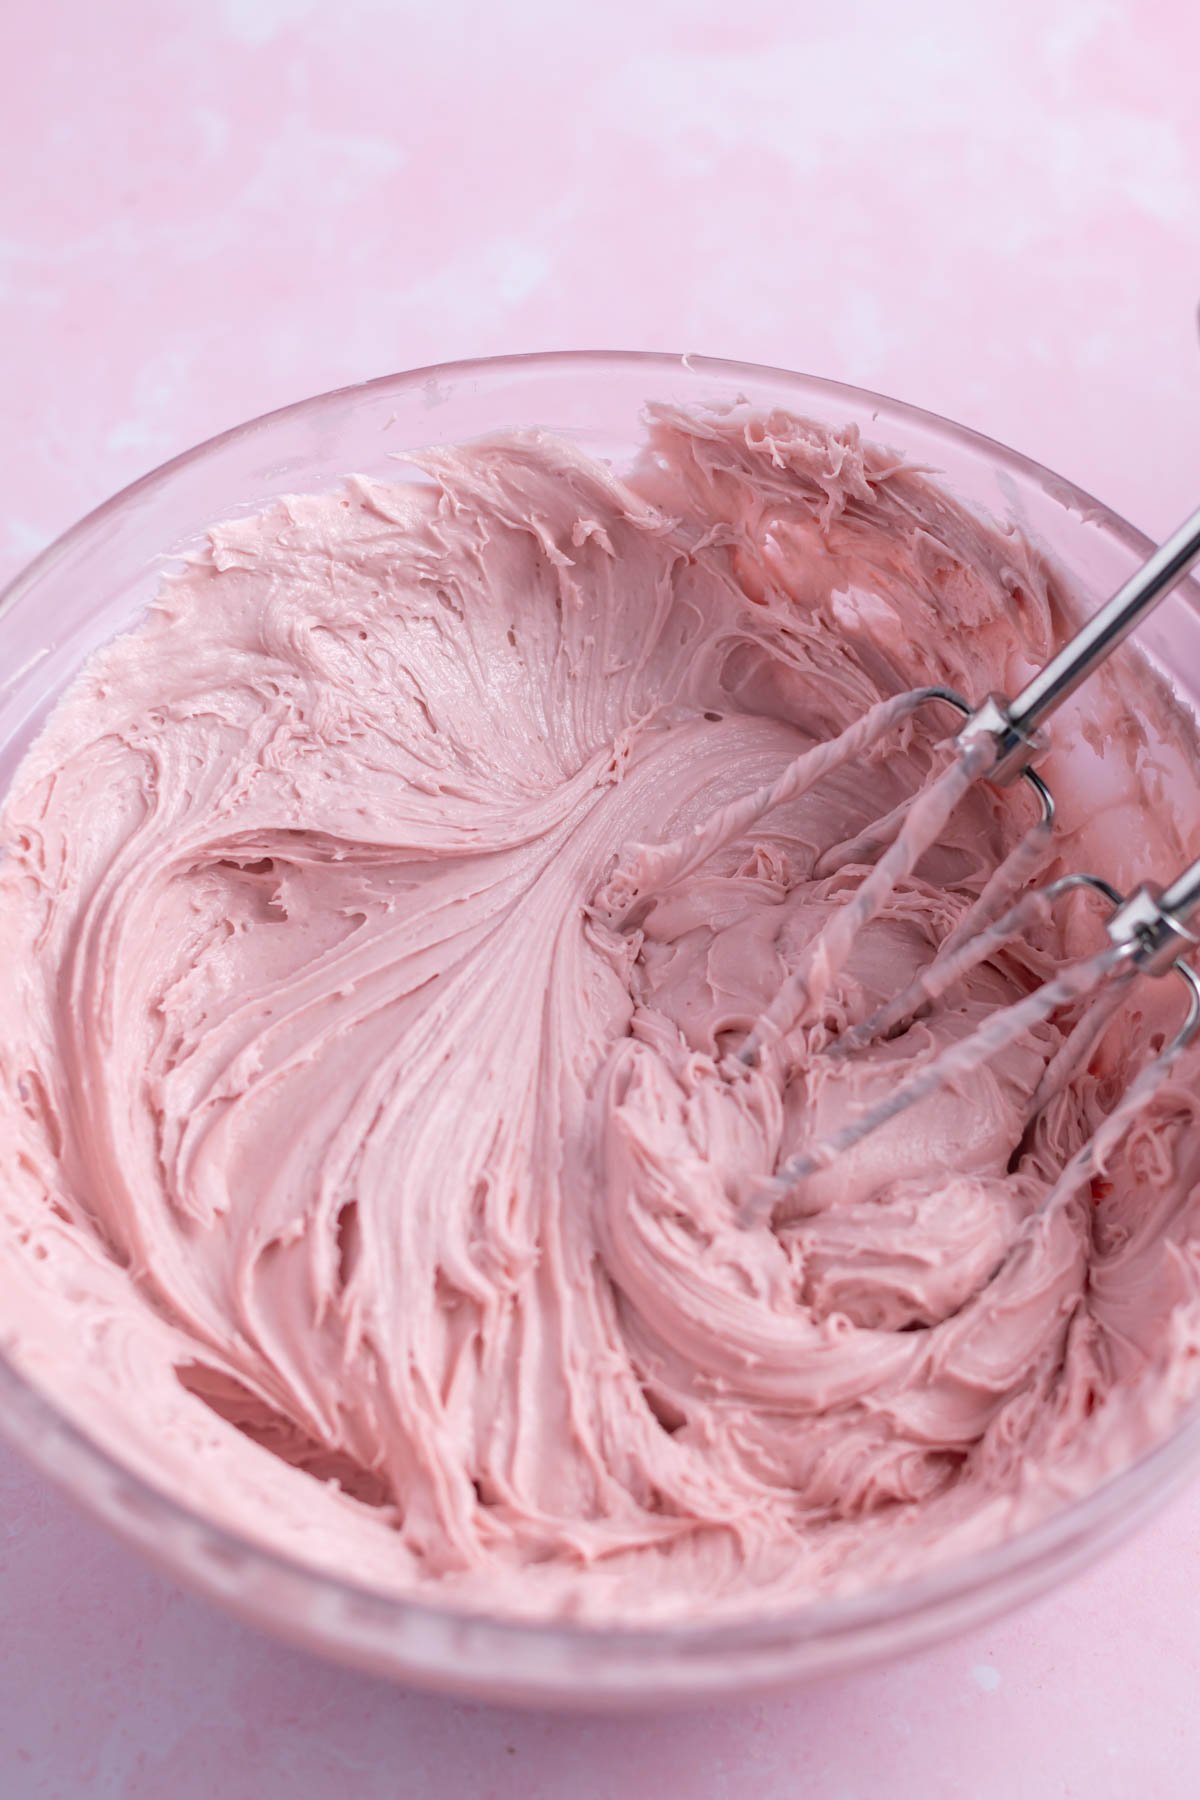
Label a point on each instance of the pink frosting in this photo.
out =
(381, 919)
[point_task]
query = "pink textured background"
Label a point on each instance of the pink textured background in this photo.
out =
(209, 209)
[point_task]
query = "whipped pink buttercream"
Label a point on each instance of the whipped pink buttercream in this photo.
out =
(375, 1141)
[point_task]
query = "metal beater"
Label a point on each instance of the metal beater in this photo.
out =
(1148, 932)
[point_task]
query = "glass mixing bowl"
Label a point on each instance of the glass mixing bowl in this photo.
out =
(98, 577)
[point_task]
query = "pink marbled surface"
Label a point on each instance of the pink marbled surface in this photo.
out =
(211, 208)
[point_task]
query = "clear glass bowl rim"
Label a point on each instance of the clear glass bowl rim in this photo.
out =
(51, 1440)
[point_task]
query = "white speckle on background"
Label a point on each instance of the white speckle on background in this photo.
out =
(213, 129)
(520, 267)
(985, 1677)
(24, 540)
(258, 21)
(129, 434)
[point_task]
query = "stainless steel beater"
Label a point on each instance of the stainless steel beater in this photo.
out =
(1148, 932)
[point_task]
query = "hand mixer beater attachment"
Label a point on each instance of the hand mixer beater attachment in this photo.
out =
(1148, 932)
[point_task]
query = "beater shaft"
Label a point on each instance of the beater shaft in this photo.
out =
(1015, 725)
